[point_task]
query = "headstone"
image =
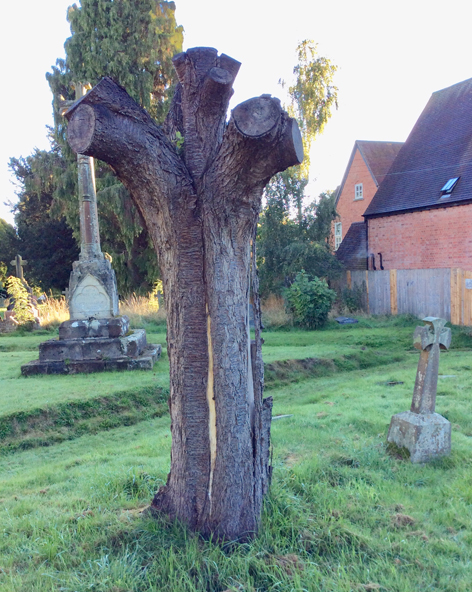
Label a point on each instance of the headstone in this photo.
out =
(95, 338)
(19, 263)
(425, 433)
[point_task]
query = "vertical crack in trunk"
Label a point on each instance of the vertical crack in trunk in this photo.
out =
(211, 408)
(250, 371)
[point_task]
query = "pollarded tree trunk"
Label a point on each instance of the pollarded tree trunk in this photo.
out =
(198, 183)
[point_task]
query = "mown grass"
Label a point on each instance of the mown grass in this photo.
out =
(21, 394)
(342, 515)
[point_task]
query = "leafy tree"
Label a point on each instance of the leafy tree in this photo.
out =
(45, 241)
(293, 237)
(312, 96)
(133, 42)
(8, 244)
(287, 245)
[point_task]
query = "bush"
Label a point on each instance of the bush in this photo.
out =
(355, 298)
(24, 315)
(309, 301)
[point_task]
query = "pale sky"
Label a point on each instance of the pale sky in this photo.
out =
(391, 57)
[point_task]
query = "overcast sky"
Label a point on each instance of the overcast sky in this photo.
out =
(391, 57)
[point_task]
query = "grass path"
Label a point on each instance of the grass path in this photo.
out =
(343, 515)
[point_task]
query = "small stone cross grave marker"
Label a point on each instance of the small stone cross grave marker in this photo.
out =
(423, 432)
(19, 263)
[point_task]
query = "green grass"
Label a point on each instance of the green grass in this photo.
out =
(343, 513)
(19, 393)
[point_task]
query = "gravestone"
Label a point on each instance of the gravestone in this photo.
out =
(425, 433)
(95, 338)
(19, 263)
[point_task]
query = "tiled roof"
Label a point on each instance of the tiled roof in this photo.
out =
(378, 157)
(353, 249)
(438, 148)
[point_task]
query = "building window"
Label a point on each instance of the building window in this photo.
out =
(338, 235)
(449, 186)
(358, 191)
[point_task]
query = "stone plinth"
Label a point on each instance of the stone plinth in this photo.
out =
(426, 436)
(94, 345)
(83, 329)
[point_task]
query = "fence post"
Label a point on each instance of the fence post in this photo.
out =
(393, 292)
(456, 296)
(348, 277)
(367, 290)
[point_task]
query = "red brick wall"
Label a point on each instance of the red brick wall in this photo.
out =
(351, 210)
(423, 240)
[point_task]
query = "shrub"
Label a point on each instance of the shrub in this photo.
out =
(309, 301)
(24, 315)
(355, 298)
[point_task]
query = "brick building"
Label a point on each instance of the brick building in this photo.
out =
(366, 169)
(421, 215)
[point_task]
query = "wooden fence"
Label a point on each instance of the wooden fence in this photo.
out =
(445, 293)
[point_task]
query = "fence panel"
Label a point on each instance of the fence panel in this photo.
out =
(445, 293)
(424, 292)
(467, 298)
(379, 292)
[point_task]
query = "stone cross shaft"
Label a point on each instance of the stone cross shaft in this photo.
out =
(89, 230)
(18, 262)
(429, 339)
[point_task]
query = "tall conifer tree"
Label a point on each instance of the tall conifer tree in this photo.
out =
(133, 42)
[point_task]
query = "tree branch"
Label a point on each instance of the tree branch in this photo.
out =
(107, 124)
(260, 141)
(200, 104)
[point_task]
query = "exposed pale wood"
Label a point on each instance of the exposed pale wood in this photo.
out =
(467, 299)
(393, 292)
(456, 296)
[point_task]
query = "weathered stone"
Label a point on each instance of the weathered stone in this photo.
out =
(423, 432)
(92, 290)
(425, 436)
(83, 329)
(94, 348)
(19, 263)
(95, 338)
(144, 361)
(429, 340)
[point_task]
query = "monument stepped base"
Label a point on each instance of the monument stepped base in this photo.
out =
(95, 345)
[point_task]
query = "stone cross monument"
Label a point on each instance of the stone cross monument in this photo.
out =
(95, 338)
(92, 286)
(423, 432)
(19, 263)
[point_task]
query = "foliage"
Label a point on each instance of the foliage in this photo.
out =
(23, 314)
(309, 300)
(293, 236)
(354, 298)
(8, 244)
(285, 246)
(313, 95)
(45, 241)
(133, 41)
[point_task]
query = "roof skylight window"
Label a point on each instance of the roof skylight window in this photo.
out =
(449, 186)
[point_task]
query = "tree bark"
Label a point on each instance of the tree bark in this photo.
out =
(200, 201)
